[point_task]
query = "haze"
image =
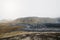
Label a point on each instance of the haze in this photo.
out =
(12, 9)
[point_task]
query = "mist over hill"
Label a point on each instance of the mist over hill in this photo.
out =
(35, 20)
(32, 20)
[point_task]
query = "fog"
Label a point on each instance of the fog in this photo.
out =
(12, 9)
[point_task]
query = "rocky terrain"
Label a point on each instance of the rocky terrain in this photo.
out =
(9, 30)
(35, 36)
(7, 26)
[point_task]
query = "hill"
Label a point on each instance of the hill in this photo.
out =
(11, 26)
(35, 20)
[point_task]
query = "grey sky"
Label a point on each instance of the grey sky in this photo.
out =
(11, 9)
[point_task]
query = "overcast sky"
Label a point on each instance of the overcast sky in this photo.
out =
(11, 9)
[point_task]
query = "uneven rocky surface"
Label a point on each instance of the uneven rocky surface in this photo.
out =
(35, 36)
